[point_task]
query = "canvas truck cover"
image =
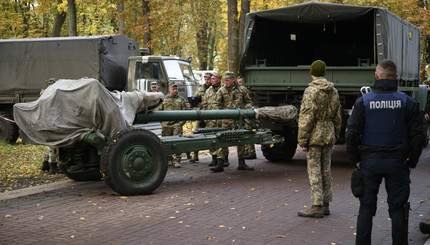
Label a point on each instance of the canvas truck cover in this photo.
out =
(355, 32)
(69, 109)
(25, 64)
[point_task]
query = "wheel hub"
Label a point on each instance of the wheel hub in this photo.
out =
(138, 163)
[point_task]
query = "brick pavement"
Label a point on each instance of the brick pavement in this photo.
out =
(194, 206)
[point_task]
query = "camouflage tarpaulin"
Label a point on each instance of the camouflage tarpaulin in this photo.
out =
(278, 114)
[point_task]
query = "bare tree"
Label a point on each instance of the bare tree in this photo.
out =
(72, 18)
(233, 40)
(59, 21)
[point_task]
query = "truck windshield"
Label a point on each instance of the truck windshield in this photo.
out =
(179, 70)
(173, 70)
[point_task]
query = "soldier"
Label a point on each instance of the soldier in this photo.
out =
(50, 158)
(173, 102)
(250, 148)
(319, 128)
(209, 103)
(154, 87)
(231, 96)
(201, 92)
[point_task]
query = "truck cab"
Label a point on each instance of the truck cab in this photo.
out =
(142, 70)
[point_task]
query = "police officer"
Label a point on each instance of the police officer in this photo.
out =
(231, 96)
(201, 92)
(173, 102)
(384, 138)
(209, 103)
(319, 129)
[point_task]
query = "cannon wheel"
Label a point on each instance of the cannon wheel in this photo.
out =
(134, 162)
(284, 151)
(8, 130)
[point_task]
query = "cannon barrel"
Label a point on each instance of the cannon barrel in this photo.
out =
(184, 115)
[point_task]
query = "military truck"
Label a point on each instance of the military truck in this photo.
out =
(26, 64)
(281, 44)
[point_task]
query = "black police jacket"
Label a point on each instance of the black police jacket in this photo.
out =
(415, 133)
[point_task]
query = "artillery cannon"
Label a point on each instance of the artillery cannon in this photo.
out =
(134, 160)
(89, 128)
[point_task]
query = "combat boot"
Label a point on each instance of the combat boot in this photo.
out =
(53, 168)
(316, 211)
(326, 209)
(243, 166)
(45, 166)
(219, 166)
(226, 162)
(424, 228)
(250, 156)
(195, 157)
(214, 161)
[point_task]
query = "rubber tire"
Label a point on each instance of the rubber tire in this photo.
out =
(8, 130)
(282, 152)
(114, 171)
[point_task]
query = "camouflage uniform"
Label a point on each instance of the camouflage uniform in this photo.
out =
(173, 128)
(250, 148)
(234, 97)
(319, 128)
(209, 100)
(199, 124)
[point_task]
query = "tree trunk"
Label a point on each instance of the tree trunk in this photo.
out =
(202, 35)
(72, 18)
(246, 5)
(212, 50)
(59, 21)
(121, 21)
(146, 24)
(233, 41)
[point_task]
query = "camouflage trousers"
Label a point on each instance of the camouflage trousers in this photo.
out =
(50, 155)
(223, 152)
(319, 171)
(175, 129)
(249, 149)
(213, 124)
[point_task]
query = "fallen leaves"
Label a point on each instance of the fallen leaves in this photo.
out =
(20, 166)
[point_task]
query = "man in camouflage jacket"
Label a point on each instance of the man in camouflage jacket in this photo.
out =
(209, 103)
(231, 96)
(319, 128)
(173, 102)
(201, 92)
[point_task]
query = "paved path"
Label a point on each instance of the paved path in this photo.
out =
(194, 206)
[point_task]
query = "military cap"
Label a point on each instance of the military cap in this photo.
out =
(207, 74)
(216, 74)
(153, 84)
(228, 74)
(318, 68)
(172, 84)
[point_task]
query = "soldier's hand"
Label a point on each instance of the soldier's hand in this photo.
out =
(225, 121)
(304, 149)
(358, 165)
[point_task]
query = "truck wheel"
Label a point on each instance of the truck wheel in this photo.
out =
(134, 162)
(8, 130)
(284, 151)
